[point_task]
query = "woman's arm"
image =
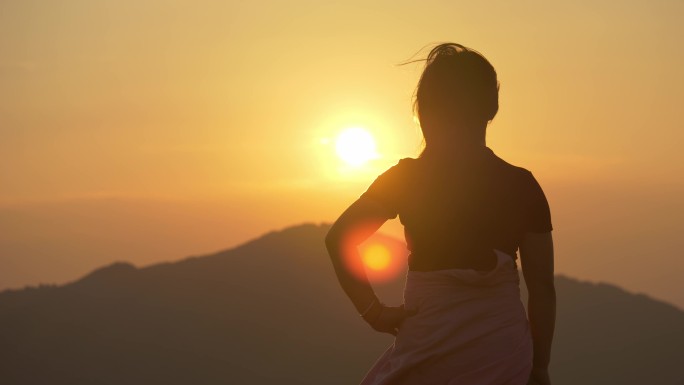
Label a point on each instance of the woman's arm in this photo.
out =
(536, 255)
(358, 222)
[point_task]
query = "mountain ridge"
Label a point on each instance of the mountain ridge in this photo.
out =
(125, 267)
(270, 310)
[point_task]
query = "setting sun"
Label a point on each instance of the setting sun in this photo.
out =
(355, 146)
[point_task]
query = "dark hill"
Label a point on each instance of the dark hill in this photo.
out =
(270, 311)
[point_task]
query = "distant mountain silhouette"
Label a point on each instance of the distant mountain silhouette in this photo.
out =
(271, 312)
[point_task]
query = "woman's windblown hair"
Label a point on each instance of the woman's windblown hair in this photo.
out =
(457, 90)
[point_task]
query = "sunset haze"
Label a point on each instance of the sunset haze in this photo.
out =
(149, 131)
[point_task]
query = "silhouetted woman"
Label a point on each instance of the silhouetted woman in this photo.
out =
(466, 212)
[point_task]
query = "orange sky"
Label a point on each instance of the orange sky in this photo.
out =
(149, 131)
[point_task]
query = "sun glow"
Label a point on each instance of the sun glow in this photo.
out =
(376, 257)
(379, 258)
(355, 146)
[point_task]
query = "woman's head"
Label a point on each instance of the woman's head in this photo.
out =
(457, 94)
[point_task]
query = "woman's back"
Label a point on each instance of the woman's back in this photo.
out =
(455, 212)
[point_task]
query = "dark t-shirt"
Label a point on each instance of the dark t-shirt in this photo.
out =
(456, 214)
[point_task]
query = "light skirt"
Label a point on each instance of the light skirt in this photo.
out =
(470, 329)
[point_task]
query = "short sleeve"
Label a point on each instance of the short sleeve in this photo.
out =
(386, 189)
(537, 211)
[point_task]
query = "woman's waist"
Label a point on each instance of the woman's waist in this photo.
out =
(433, 260)
(443, 286)
(450, 285)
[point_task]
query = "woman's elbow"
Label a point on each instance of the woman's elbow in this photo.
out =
(332, 239)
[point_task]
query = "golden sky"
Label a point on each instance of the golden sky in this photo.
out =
(124, 124)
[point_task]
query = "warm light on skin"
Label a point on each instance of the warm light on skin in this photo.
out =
(355, 146)
(376, 257)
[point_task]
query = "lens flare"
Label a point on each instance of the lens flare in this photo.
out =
(379, 258)
(376, 257)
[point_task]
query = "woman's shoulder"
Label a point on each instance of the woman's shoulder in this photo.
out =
(397, 171)
(407, 162)
(508, 168)
(403, 165)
